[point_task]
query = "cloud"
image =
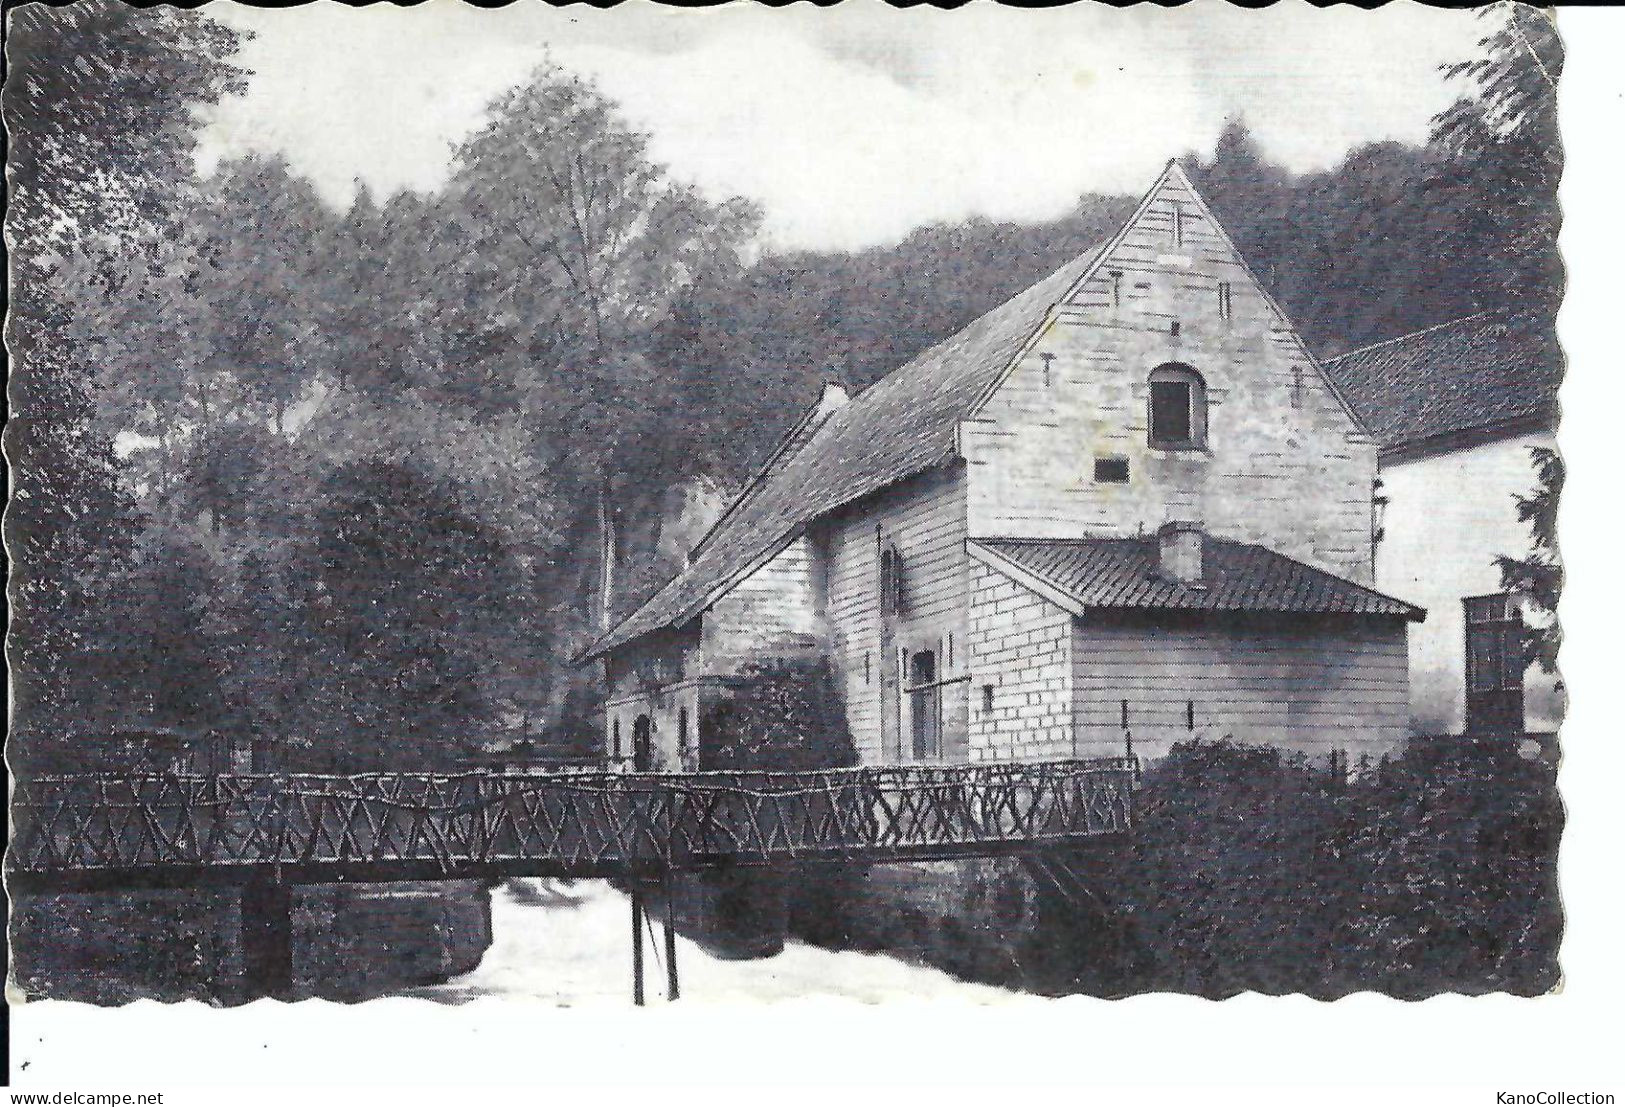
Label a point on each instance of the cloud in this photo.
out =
(854, 124)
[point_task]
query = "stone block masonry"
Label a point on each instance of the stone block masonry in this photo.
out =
(1021, 672)
(1283, 464)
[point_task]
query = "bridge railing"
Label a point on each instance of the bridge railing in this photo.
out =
(579, 822)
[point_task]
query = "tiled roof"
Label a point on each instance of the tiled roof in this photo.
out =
(1474, 374)
(1122, 574)
(902, 425)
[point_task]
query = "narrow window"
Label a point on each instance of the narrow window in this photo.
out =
(615, 748)
(987, 698)
(1297, 386)
(1224, 299)
(891, 581)
(1111, 470)
(1046, 359)
(866, 667)
(1117, 288)
(1173, 328)
(950, 650)
(1178, 408)
(1179, 225)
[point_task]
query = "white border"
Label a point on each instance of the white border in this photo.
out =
(1473, 1046)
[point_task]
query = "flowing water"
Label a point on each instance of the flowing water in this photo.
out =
(569, 942)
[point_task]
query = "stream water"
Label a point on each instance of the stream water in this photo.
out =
(569, 942)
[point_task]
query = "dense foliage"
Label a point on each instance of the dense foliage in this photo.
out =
(358, 483)
(1251, 869)
(785, 715)
(1538, 577)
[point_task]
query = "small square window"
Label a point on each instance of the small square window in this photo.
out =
(1111, 470)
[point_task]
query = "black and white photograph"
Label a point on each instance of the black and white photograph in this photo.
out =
(643, 506)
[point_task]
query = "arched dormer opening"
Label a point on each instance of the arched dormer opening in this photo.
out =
(1177, 402)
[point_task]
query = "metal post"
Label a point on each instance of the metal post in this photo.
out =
(637, 948)
(671, 940)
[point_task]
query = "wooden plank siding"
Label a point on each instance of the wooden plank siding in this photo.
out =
(775, 611)
(1300, 684)
(925, 519)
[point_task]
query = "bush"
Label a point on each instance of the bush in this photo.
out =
(1251, 870)
(785, 715)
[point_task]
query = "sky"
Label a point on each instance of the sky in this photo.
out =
(850, 126)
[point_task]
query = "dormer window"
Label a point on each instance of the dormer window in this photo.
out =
(1178, 408)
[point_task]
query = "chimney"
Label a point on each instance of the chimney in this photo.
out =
(1179, 549)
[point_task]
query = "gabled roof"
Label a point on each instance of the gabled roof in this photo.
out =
(1434, 387)
(1114, 574)
(902, 425)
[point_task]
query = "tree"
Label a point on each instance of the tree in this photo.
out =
(405, 591)
(369, 290)
(98, 106)
(1505, 156)
(558, 188)
(1538, 577)
(177, 670)
(262, 238)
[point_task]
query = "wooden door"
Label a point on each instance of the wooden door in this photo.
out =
(925, 706)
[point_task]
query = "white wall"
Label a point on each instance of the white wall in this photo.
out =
(1284, 465)
(1448, 518)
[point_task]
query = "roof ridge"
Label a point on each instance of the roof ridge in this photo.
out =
(1416, 333)
(996, 309)
(774, 457)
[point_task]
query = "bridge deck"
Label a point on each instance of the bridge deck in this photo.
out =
(100, 830)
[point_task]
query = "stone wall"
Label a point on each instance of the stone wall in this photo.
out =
(358, 941)
(168, 945)
(1284, 464)
(1021, 671)
(776, 610)
(986, 920)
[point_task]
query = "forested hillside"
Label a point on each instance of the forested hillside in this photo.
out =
(344, 480)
